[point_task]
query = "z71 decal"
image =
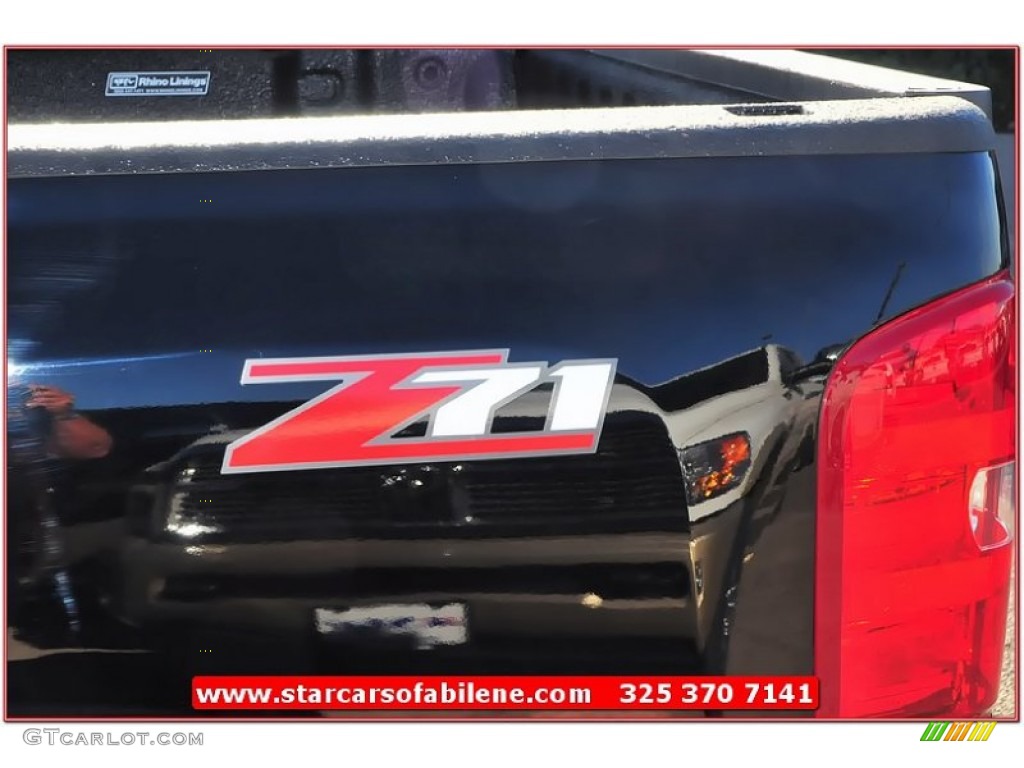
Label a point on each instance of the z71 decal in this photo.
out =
(456, 393)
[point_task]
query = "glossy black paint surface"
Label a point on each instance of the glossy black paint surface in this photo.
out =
(714, 282)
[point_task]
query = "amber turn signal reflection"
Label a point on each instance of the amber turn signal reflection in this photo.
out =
(714, 467)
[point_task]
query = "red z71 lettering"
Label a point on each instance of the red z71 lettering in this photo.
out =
(353, 423)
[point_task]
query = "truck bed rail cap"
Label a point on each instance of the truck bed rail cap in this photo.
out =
(858, 126)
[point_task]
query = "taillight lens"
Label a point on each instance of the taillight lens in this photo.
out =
(993, 503)
(915, 511)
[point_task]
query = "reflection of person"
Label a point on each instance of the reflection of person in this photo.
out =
(72, 436)
(48, 424)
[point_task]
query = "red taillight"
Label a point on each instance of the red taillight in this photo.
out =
(914, 530)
